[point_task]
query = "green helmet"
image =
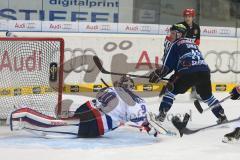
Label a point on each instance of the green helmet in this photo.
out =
(179, 28)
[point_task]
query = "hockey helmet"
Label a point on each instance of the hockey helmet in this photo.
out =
(180, 28)
(189, 12)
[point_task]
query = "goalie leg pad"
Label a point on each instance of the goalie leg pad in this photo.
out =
(31, 120)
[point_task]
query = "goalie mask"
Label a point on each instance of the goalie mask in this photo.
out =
(125, 82)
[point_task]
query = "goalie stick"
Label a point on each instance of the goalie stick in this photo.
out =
(184, 130)
(51, 134)
(103, 70)
(201, 110)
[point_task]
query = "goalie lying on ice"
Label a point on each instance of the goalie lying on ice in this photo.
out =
(113, 107)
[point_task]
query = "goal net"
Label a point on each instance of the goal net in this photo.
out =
(29, 67)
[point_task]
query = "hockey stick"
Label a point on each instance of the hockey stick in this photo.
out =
(168, 133)
(104, 83)
(160, 129)
(201, 110)
(51, 134)
(188, 131)
(100, 67)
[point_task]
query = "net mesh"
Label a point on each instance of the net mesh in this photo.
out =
(24, 74)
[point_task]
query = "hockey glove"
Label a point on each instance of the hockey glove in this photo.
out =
(155, 76)
(150, 130)
(235, 93)
(158, 74)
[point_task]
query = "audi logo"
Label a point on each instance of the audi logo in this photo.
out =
(225, 31)
(31, 25)
(145, 28)
(67, 26)
(105, 27)
(111, 46)
(78, 60)
(223, 62)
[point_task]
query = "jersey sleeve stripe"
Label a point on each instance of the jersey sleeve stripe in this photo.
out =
(165, 59)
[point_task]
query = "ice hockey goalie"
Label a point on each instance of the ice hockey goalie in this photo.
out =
(113, 107)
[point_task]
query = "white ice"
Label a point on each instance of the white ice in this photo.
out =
(128, 143)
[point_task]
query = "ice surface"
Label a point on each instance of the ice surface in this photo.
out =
(128, 143)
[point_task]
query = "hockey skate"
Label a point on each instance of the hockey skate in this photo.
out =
(161, 116)
(222, 119)
(232, 136)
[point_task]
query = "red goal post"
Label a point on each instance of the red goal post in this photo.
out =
(31, 74)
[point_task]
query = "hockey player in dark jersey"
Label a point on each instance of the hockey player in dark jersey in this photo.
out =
(186, 60)
(192, 33)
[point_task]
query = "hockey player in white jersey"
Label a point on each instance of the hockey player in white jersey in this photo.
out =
(113, 107)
